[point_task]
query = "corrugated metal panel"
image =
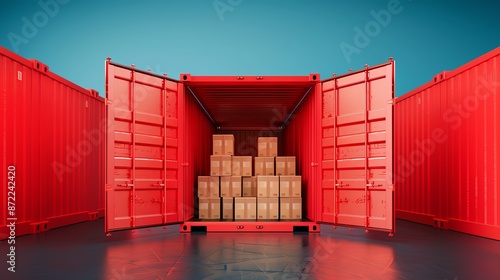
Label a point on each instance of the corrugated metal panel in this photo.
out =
(447, 150)
(301, 139)
(53, 134)
(357, 155)
(144, 149)
(197, 151)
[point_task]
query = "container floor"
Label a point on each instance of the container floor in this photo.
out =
(416, 251)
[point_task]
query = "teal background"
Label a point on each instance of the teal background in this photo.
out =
(245, 37)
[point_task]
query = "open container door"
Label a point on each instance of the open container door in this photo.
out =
(143, 170)
(357, 155)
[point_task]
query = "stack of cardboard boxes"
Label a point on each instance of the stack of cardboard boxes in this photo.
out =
(232, 193)
(267, 181)
(208, 197)
(279, 188)
(209, 187)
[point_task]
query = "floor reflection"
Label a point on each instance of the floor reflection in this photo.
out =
(248, 256)
(83, 251)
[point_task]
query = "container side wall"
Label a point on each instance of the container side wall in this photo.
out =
(51, 134)
(300, 139)
(17, 128)
(198, 148)
(411, 142)
(447, 150)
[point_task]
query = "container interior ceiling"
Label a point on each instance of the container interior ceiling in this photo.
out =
(250, 106)
(253, 109)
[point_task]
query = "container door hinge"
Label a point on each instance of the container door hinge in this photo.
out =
(108, 102)
(184, 164)
(391, 101)
(314, 164)
(108, 187)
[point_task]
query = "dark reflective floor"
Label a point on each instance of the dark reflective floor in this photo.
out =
(416, 252)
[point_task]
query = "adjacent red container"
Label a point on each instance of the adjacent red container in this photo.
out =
(160, 131)
(447, 150)
(52, 141)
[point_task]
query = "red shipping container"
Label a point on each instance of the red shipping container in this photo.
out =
(53, 142)
(447, 155)
(160, 130)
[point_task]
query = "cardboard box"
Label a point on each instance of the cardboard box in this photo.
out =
(264, 166)
(227, 208)
(208, 186)
(203, 190)
(285, 209)
(241, 166)
(213, 186)
(245, 208)
(250, 186)
(285, 165)
(290, 186)
(296, 208)
(267, 146)
(225, 187)
(230, 186)
(236, 185)
(225, 165)
(267, 186)
(290, 208)
(246, 163)
(220, 165)
(269, 166)
(236, 166)
(239, 208)
(215, 168)
(223, 144)
(259, 168)
(209, 208)
(251, 208)
(267, 208)
(217, 144)
(214, 208)
(203, 206)
(262, 147)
